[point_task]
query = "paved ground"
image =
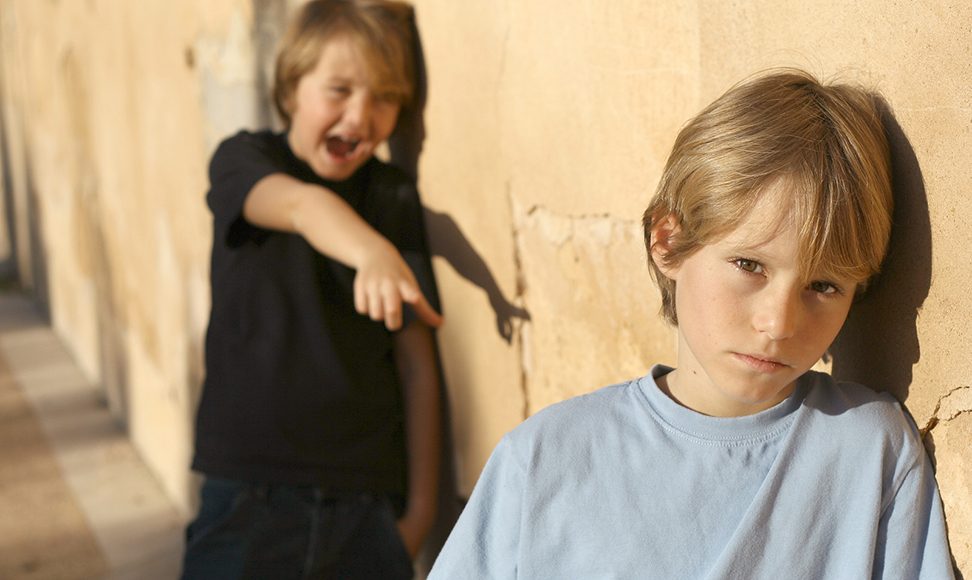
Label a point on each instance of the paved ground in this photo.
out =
(76, 502)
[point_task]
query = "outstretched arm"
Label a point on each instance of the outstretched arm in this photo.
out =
(383, 280)
(415, 359)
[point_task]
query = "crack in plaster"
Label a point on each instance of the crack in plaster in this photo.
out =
(504, 52)
(520, 331)
(957, 401)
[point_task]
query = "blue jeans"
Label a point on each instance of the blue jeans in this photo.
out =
(246, 530)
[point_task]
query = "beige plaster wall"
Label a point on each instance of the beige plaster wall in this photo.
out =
(547, 126)
(110, 109)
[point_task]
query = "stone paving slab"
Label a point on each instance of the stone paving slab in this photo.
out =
(135, 527)
(44, 534)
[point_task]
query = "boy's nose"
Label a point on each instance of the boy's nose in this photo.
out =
(358, 111)
(778, 315)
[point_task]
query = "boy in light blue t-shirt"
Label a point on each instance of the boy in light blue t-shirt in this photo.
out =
(772, 213)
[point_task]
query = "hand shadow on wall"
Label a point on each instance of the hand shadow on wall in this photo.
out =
(878, 344)
(447, 239)
(448, 242)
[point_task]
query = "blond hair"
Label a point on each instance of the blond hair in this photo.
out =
(825, 141)
(380, 31)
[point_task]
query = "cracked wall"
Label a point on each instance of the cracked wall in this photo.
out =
(948, 434)
(546, 136)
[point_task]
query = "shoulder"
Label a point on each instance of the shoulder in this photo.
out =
(863, 416)
(838, 398)
(238, 163)
(247, 146)
(579, 421)
(265, 140)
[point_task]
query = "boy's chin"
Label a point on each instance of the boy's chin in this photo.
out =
(338, 169)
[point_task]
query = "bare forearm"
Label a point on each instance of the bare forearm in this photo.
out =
(424, 440)
(415, 356)
(332, 227)
(320, 216)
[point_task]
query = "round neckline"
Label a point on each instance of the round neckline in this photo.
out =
(728, 431)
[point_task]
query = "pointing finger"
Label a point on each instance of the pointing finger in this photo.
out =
(425, 312)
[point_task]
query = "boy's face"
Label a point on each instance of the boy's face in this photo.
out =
(748, 325)
(337, 120)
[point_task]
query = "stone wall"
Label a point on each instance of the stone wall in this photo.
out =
(547, 125)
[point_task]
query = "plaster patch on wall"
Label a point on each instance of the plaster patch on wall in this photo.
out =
(583, 269)
(228, 72)
(229, 60)
(561, 229)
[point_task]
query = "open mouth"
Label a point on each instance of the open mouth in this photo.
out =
(340, 147)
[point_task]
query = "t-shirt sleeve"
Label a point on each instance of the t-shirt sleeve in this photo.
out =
(485, 540)
(912, 540)
(237, 165)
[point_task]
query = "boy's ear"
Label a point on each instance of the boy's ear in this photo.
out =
(663, 232)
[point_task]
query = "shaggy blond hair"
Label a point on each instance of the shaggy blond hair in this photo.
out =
(824, 141)
(380, 31)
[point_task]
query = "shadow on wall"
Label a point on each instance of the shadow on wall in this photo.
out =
(270, 20)
(447, 241)
(450, 243)
(879, 342)
(26, 268)
(8, 263)
(447, 238)
(878, 345)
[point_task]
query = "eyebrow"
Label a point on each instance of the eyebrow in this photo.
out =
(747, 246)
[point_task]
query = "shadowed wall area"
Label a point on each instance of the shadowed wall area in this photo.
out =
(879, 342)
(546, 125)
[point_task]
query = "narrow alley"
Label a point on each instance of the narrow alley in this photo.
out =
(75, 498)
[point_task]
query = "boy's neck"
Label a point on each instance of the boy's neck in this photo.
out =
(693, 397)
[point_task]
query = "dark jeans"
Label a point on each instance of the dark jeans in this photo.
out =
(246, 530)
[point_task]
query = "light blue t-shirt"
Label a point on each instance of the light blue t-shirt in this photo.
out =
(833, 482)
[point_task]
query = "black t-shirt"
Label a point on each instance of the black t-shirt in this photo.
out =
(299, 387)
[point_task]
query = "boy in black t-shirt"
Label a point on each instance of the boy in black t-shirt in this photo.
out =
(318, 427)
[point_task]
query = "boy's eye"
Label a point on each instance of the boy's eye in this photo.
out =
(822, 287)
(339, 90)
(751, 266)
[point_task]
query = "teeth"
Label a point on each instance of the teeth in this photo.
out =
(340, 147)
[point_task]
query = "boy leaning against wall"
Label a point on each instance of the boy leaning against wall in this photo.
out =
(773, 211)
(317, 431)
